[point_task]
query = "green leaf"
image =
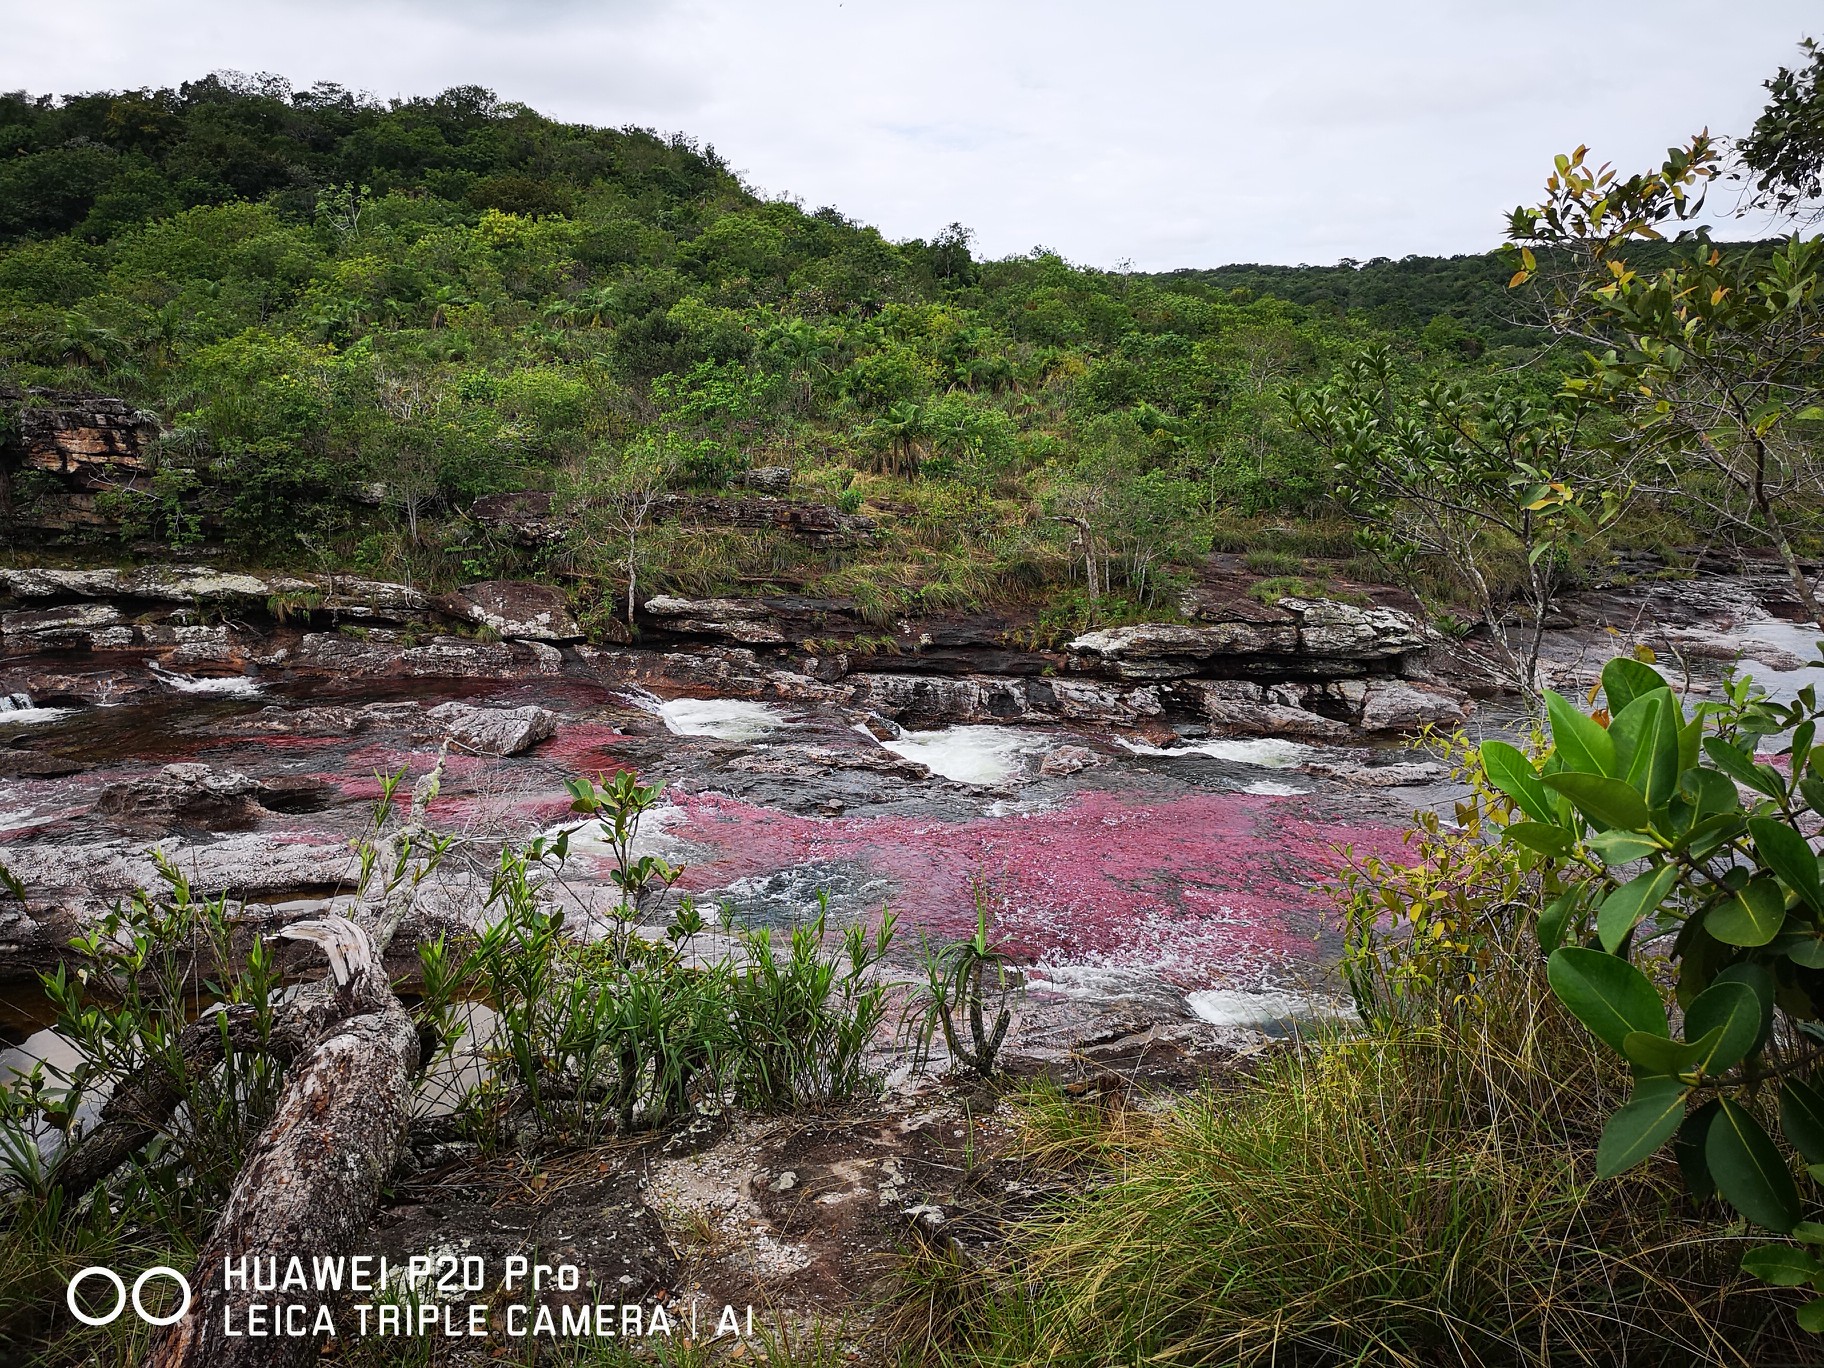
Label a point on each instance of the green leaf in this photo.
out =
(1547, 840)
(1641, 1126)
(1782, 1265)
(1625, 679)
(1606, 800)
(1788, 855)
(1759, 978)
(1751, 917)
(1811, 787)
(1748, 1169)
(1805, 950)
(1730, 1011)
(1740, 767)
(1513, 774)
(1554, 920)
(1646, 746)
(1607, 994)
(1623, 909)
(1581, 741)
(1802, 1119)
(1811, 1316)
(1713, 833)
(1622, 847)
(1688, 1148)
(1671, 1058)
(1711, 790)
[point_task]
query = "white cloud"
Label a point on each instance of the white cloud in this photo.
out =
(1171, 134)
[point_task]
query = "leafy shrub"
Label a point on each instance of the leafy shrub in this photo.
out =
(1691, 888)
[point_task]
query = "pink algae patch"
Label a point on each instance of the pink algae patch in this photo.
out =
(1178, 887)
(583, 748)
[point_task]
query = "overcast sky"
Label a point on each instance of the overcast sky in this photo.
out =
(1169, 134)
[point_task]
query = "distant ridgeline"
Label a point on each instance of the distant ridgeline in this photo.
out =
(100, 163)
(1469, 293)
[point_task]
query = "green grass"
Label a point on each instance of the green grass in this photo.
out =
(1390, 1200)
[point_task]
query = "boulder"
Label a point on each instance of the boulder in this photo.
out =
(1298, 636)
(1083, 700)
(181, 647)
(70, 888)
(1394, 705)
(1068, 760)
(73, 627)
(1254, 709)
(178, 796)
(813, 762)
(1403, 775)
(740, 620)
(494, 731)
(933, 700)
(516, 610)
(766, 479)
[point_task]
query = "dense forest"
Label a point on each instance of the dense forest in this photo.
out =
(354, 318)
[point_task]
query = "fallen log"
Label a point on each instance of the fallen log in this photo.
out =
(312, 1180)
(143, 1106)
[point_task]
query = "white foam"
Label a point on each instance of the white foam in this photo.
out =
(1238, 1007)
(968, 755)
(225, 686)
(1271, 788)
(1267, 752)
(650, 837)
(33, 716)
(726, 719)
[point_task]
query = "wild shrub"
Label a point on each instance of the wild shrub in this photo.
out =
(1691, 889)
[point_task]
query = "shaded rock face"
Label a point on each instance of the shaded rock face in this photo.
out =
(85, 437)
(516, 610)
(525, 516)
(494, 731)
(750, 623)
(76, 627)
(1239, 705)
(182, 796)
(818, 523)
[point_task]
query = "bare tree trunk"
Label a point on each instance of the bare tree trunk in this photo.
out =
(1801, 582)
(308, 1190)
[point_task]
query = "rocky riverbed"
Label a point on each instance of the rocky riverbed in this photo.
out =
(1151, 811)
